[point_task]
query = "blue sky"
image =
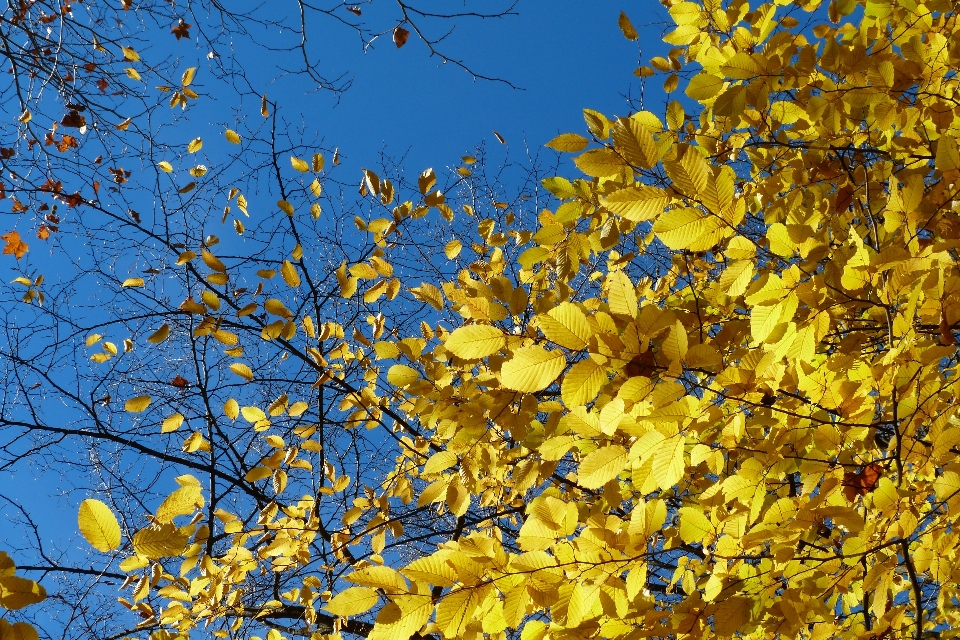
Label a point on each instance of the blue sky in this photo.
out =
(566, 55)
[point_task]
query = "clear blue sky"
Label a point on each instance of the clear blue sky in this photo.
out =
(566, 55)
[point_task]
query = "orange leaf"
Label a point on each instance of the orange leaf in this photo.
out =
(400, 36)
(15, 245)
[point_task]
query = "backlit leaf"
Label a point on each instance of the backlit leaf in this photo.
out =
(98, 525)
(601, 466)
(475, 341)
(532, 369)
(137, 404)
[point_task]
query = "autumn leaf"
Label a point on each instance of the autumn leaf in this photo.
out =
(627, 28)
(532, 369)
(181, 30)
(98, 525)
(475, 341)
(400, 36)
(14, 245)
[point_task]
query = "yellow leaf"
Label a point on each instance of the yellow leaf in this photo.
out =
(231, 409)
(668, 463)
(635, 143)
(129, 54)
(98, 525)
(403, 617)
(629, 32)
(440, 461)
(731, 614)
(432, 570)
(172, 423)
(475, 341)
(687, 228)
(638, 203)
(352, 601)
(132, 73)
(601, 466)
(242, 370)
(257, 474)
(401, 375)
(195, 145)
(133, 282)
(691, 174)
(213, 261)
(567, 326)
(159, 335)
(428, 293)
(532, 369)
(379, 578)
(166, 166)
(582, 383)
(317, 162)
(452, 249)
(17, 593)
(600, 163)
(289, 273)
(184, 501)
(736, 277)
(253, 414)
(187, 78)
(138, 404)
(297, 409)
(621, 295)
(568, 142)
(695, 528)
(160, 541)
(299, 165)
(277, 308)
(948, 153)
(704, 86)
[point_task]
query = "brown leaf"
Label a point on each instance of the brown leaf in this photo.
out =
(947, 338)
(400, 36)
(644, 365)
(180, 382)
(354, 10)
(859, 483)
(182, 30)
(15, 246)
(74, 120)
(844, 198)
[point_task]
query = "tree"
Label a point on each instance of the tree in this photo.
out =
(710, 392)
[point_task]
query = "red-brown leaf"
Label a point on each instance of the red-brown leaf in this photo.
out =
(400, 36)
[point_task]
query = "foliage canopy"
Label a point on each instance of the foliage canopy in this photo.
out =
(708, 391)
